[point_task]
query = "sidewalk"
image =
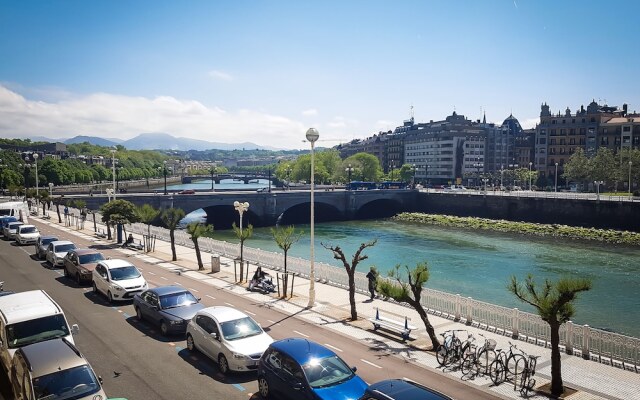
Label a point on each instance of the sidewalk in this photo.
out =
(332, 310)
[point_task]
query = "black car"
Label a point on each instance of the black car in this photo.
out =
(171, 307)
(401, 389)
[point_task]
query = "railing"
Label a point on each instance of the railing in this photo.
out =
(590, 343)
(536, 194)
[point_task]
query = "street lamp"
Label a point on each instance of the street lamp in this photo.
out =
(391, 174)
(312, 136)
(35, 161)
(478, 166)
(485, 180)
(212, 171)
(2, 167)
(164, 172)
(413, 179)
(555, 187)
(530, 164)
(501, 175)
(349, 170)
(241, 208)
(113, 171)
(598, 183)
(630, 164)
(50, 188)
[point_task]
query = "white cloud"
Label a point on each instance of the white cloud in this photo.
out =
(116, 116)
(310, 112)
(529, 123)
(220, 75)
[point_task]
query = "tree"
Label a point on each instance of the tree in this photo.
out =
(171, 218)
(285, 237)
(197, 229)
(602, 166)
(409, 291)
(118, 212)
(147, 214)
(366, 167)
(338, 254)
(554, 303)
(57, 201)
(242, 234)
(577, 168)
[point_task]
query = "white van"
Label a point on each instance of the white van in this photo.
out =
(18, 209)
(27, 318)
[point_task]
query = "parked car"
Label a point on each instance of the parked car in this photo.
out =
(170, 307)
(228, 336)
(54, 369)
(401, 389)
(27, 234)
(57, 250)
(118, 280)
(80, 263)
(298, 368)
(4, 220)
(27, 318)
(187, 191)
(10, 230)
(42, 244)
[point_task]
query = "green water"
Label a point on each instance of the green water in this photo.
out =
(479, 264)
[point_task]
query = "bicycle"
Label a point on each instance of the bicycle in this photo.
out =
(480, 359)
(448, 347)
(498, 368)
(526, 377)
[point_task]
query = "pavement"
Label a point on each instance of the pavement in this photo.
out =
(590, 379)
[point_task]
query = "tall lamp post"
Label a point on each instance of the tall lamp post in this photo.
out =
(164, 172)
(50, 188)
(212, 171)
(349, 170)
(530, 164)
(113, 171)
(288, 178)
(501, 175)
(35, 161)
(241, 208)
(598, 183)
(312, 136)
(2, 167)
(391, 174)
(555, 186)
(630, 164)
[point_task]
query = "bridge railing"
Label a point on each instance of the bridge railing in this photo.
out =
(591, 343)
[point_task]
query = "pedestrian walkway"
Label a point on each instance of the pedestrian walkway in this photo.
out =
(592, 380)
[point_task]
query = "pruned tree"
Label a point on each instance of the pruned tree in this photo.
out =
(554, 303)
(285, 237)
(338, 254)
(197, 229)
(242, 234)
(147, 214)
(408, 289)
(171, 219)
(118, 212)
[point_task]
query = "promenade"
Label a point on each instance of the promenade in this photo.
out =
(592, 380)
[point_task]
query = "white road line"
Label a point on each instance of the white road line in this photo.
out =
(162, 277)
(150, 273)
(229, 304)
(177, 283)
(211, 297)
(333, 347)
(370, 363)
(271, 322)
(193, 290)
(301, 334)
(249, 312)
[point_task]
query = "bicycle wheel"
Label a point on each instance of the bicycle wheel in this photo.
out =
(441, 355)
(497, 372)
(515, 364)
(467, 364)
(485, 358)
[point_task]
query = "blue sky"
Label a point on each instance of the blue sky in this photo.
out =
(265, 71)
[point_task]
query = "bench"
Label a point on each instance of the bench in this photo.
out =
(402, 327)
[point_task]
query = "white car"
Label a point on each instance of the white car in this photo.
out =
(57, 250)
(228, 336)
(11, 229)
(27, 234)
(118, 280)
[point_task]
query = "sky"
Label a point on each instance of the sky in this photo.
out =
(264, 71)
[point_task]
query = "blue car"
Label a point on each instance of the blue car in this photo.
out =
(170, 307)
(401, 389)
(298, 369)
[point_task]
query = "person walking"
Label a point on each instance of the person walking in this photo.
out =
(372, 276)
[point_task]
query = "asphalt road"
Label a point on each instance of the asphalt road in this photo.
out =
(137, 362)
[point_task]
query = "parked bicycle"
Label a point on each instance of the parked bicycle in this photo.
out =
(478, 361)
(527, 371)
(453, 350)
(507, 365)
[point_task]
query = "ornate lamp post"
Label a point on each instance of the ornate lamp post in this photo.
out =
(555, 186)
(501, 175)
(241, 208)
(630, 164)
(485, 180)
(50, 189)
(349, 170)
(312, 136)
(478, 166)
(391, 166)
(164, 172)
(598, 183)
(530, 164)
(113, 171)
(35, 161)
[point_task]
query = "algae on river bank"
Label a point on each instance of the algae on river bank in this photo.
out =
(524, 228)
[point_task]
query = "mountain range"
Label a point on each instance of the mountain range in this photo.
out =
(157, 141)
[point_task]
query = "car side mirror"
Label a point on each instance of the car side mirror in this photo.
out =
(215, 335)
(75, 329)
(100, 379)
(354, 368)
(297, 385)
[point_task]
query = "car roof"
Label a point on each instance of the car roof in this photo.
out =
(302, 350)
(82, 252)
(24, 306)
(223, 313)
(51, 356)
(28, 226)
(60, 242)
(115, 263)
(169, 289)
(405, 390)
(48, 237)
(14, 223)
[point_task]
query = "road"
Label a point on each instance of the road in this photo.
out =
(136, 362)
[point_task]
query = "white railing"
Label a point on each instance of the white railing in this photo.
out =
(602, 346)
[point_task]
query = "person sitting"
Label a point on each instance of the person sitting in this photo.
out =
(129, 241)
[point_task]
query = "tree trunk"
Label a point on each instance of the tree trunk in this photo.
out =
(352, 294)
(172, 236)
(425, 320)
(557, 387)
(95, 227)
(58, 211)
(198, 256)
(108, 231)
(285, 278)
(241, 260)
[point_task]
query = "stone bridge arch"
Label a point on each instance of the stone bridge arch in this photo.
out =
(301, 213)
(379, 208)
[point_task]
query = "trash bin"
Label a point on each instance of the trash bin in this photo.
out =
(215, 263)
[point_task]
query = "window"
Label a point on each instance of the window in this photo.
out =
(626, 129)
(572, 141)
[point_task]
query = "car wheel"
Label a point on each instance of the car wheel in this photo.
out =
(78, 280)
(138, 314)
(109, 297)
(190, 345)
(164, 329)
(263, 387)
(223, 364)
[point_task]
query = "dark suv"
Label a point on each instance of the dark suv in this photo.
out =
(401, 389)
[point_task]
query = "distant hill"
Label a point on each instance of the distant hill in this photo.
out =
(93, 140)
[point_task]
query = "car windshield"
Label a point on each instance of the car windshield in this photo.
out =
(61, 248)
(329, 371)
(177, 300)
(48, 240)
(73, 383)
(91, 258)
(36, 330)
(240, 328)
(29, 229)
(123, 273)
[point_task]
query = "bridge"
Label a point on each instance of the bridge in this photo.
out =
(269, 209)
(246, 178)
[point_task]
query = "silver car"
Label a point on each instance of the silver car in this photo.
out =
(42, 244)
(11, 229)
(57, 250)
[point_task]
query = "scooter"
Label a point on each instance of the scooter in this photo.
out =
(263, 284)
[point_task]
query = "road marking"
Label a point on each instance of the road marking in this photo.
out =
(211, 297)
(333, 347)
(273, 323)
(171, 344)
(249, 312)
(370, 363)
(150, 273)
(239, 387)
(301, 334)
(229, 304)
(162, 277)
(193, 290)
(176, 283)
(126, 315)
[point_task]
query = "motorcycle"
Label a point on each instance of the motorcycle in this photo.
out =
(263, 284)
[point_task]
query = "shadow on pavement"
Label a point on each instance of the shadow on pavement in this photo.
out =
(148, 329)
(206, 367)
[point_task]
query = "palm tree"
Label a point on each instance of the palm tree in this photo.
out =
(338, 254)
(554, 303)
(285, 237)
(409, 292)
(147, 214)
(171, 218)
(242, 234)
(197, 229)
